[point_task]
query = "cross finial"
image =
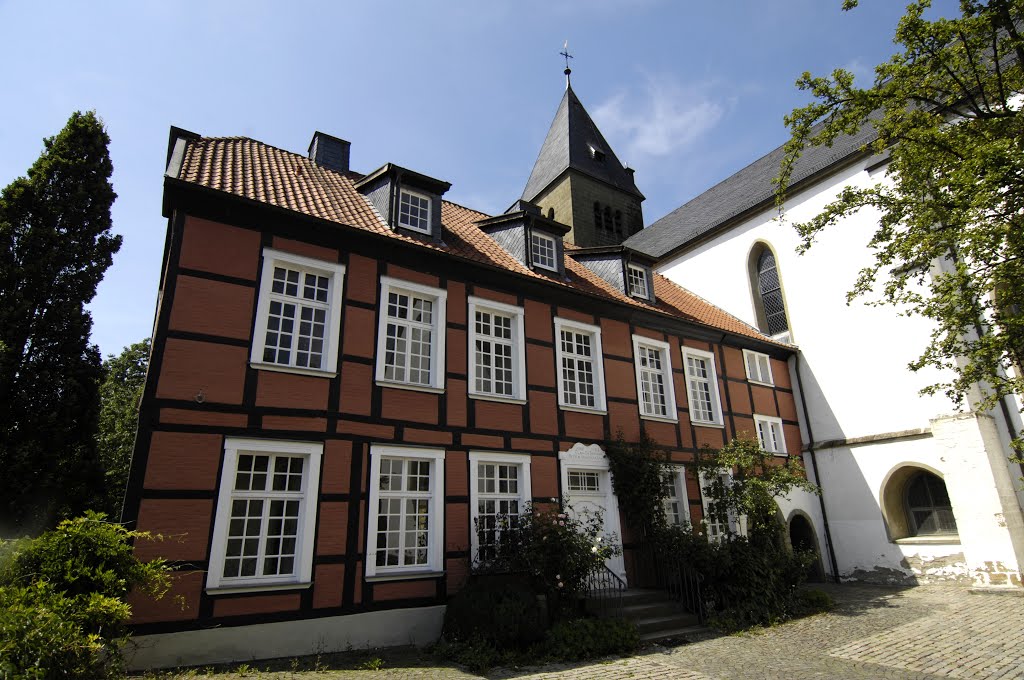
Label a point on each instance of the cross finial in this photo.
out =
(565, 53)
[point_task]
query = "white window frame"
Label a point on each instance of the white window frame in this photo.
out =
(597, 357)
(312, 452)
(716, 400)
(435, 512)
(336, 273)
(736, 525)
(644, 278)
(518, 343)
(550, 240)
(677, 478)
(758, 367)
(643, 342)
(770, 434)
(525, 494)
(439, 297)
(430, 211)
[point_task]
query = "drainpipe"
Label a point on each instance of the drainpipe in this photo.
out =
(817, 475)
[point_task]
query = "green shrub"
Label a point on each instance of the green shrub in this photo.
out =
(813, 602)
(498, 609)
(579, 639)
(555, 551)
(62, 600)
(748, 580)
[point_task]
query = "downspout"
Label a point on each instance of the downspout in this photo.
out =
(817, 475)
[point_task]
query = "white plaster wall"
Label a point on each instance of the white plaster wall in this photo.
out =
(854, 356)
(855, 380)
(388, 628)
(854, 483)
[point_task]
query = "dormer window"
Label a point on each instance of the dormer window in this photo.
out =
(597, 154)
(542, 251)
(414, 211)
(636, 280)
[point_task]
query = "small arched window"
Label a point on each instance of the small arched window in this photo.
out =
(771, 310)
(927, 505)
(618, 221)
(598, 216)
(607, 218)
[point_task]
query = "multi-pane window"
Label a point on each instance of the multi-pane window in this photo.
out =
(410, 343)
(496, 349)
(718, 521)
(298, 313)
(928, 507)
(654, 378)
(636, 280)
(501, 490)
(264, 525)
(587, 482)
(580, 375)
(543, 251)
(759, 367)
(677, 507)
(769, 288)
(702, 387)
(414, 211)
(769, 434)
(405, 507)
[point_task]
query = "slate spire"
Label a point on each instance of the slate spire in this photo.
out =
(574, 142)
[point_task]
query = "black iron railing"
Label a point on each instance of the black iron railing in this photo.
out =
(604, 591)
(682, 582)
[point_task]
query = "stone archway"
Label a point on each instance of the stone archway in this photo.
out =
(802, 538)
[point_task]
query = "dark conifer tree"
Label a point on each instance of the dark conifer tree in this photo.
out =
(55, 245)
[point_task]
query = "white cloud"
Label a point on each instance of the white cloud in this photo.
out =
(657, 119)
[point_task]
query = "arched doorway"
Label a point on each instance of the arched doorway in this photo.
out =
(802, 539)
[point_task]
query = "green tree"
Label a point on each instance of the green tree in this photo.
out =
(947, 110)
(56, 245)
(120, 393)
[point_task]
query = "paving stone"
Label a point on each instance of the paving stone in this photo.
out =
(875, 632)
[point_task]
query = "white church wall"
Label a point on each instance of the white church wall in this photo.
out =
(857, 386)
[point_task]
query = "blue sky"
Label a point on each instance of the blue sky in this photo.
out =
(463, 90)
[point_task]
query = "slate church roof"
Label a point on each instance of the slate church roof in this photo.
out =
(572, 142)
(750, 190)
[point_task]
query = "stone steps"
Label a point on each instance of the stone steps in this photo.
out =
(656, 615)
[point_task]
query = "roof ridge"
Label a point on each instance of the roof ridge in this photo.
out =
(703, 299)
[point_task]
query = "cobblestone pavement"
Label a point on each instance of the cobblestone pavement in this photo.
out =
(924, 633)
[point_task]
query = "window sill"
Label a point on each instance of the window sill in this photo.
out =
(699, 423)
(410, 386)
(760, 382)
(404, 576)
(583, 409)
(256, 588)
(659, 419)
(947, 539)
(492, 397)
(315, 372)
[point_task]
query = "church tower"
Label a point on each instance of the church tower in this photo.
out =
(579, 181)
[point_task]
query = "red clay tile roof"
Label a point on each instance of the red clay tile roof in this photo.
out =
(250, 169)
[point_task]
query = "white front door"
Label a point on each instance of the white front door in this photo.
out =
(587, 488)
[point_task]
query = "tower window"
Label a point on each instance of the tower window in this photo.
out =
(618, 221)
(599, 222)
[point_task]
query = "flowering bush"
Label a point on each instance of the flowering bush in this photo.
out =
(555, 550)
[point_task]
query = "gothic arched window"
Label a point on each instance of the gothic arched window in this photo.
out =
(927, 504)
(598, 216)
(771, 308)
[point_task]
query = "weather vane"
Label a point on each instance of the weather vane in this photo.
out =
(565, 53)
